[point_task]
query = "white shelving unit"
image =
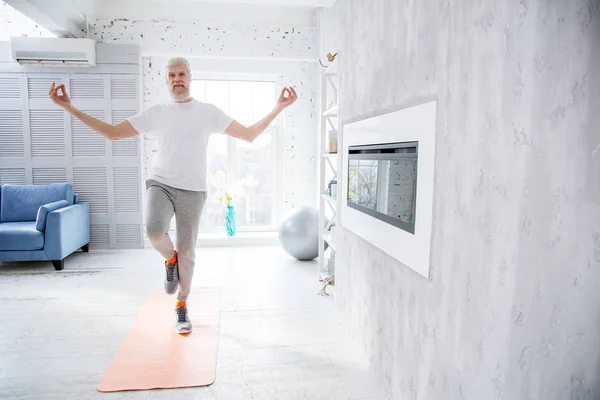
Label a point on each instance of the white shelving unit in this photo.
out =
(328, 164)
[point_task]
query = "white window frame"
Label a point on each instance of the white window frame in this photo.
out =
(276, 144)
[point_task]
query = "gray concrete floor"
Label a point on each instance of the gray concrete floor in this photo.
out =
(278, 340)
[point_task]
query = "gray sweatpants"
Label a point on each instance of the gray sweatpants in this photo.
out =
(162, 203)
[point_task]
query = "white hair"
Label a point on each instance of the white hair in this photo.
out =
(173, 61)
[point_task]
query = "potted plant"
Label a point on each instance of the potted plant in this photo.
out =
(229, 214)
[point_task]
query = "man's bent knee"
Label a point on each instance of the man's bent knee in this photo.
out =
(156, 232)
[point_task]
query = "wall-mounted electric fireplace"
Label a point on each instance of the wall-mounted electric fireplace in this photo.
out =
(388, 165)
(382, 182)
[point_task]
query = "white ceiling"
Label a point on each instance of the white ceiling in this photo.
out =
(286, 3)
(282, 11)
(289, 3)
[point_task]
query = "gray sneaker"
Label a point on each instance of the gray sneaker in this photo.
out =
(182, 321)
(171, 277)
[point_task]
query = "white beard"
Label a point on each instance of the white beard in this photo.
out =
(179, 96)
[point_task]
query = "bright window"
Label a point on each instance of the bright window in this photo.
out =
(248, 171)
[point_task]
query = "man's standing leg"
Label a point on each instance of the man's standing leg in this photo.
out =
(160, 206)
(188, 209)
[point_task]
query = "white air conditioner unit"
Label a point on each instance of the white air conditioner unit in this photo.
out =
(56, 52)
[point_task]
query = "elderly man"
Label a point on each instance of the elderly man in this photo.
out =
(177, 185)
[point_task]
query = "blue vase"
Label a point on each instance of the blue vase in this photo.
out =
(230, 221)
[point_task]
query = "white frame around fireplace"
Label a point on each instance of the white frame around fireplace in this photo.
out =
(412, 124)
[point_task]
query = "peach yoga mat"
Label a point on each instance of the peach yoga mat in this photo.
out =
(154, 356)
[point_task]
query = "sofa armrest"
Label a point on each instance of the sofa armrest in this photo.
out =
(40, 222)
(67, 229)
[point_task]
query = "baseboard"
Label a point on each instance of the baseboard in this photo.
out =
(240, 239)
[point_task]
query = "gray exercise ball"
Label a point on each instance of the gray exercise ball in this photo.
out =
(299, 233)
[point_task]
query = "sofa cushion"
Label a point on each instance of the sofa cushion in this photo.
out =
(20, 236)
(22, 202)
(40, 222)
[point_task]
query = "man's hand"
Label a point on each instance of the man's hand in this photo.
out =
(287, 97)
(122, 130)
(61, 99)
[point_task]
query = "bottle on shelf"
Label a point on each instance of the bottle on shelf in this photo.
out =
(331, 188)
(332, 141)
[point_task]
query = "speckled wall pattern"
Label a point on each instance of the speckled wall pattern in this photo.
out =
(211, 39)
(512, 309)
(237, 48)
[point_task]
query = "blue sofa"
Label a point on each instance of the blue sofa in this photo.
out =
(42, 222)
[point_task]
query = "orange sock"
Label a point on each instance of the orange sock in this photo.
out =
(180, 304)
(173, 259)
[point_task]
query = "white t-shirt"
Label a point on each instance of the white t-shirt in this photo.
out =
(182, 131)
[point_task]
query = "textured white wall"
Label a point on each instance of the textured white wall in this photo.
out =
(512, 310)
(214, 11)
(215, 39)
(241, 49)
(13, 23)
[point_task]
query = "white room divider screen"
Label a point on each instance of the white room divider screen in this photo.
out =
(40, 143)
